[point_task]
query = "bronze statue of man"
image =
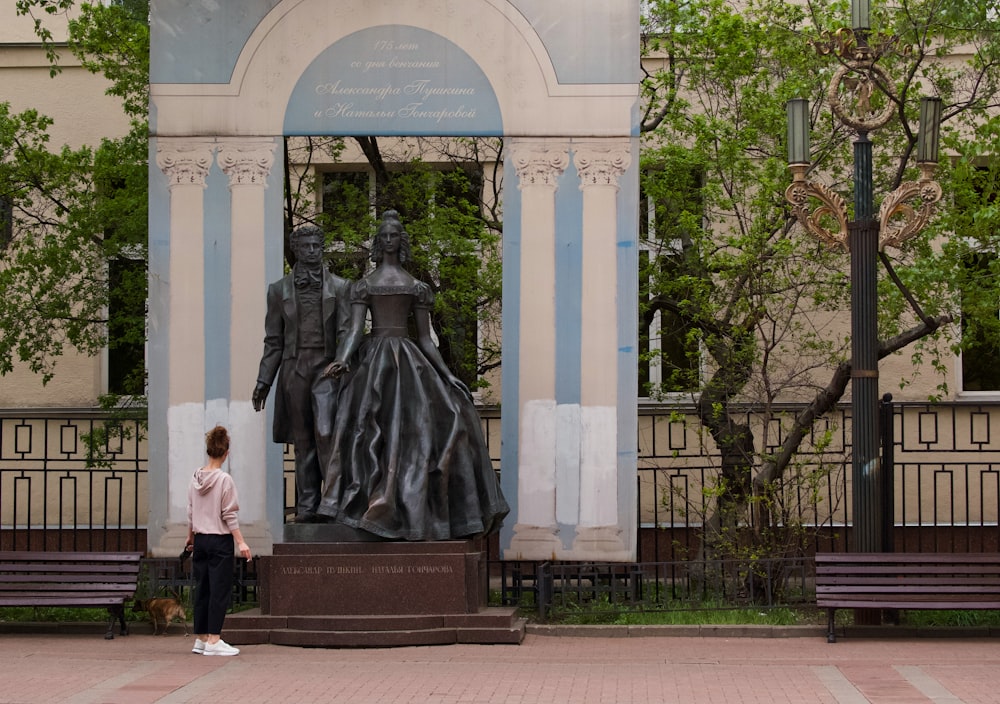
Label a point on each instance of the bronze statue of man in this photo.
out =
(307, 315)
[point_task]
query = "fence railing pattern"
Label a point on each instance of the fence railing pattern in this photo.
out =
(943, 460)
(61, 491)
(72, 481)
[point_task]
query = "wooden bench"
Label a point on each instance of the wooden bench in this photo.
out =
(73, 579)
(906, 581)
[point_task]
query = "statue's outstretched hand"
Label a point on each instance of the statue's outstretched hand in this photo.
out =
(260, 395)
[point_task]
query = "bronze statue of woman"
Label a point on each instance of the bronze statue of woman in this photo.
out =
(407, 459)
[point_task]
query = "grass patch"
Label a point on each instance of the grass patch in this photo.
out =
(779, 616)
(704, 614)
(62, 614)
(58, 614)
(956, 618)
(709, 613)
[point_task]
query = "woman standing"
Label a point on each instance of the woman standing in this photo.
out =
(408, 459)
(213, 528)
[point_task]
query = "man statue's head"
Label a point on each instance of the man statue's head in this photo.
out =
(307, 245)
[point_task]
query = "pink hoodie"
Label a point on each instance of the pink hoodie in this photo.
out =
(212, 502)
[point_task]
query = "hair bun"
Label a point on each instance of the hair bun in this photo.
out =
(217, 441)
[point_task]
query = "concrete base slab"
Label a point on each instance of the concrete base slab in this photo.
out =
(489, 625)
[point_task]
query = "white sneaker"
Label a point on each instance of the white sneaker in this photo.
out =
(199, 646)
(220, 647)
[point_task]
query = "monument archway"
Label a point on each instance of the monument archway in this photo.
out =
(558, 79)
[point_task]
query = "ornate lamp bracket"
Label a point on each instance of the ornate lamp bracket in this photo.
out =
(853, 96)
(899, 221)
(799, 194)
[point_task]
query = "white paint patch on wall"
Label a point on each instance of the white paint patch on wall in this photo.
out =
(216, 413)
(567, 449)
(599, 466)
(186, 428)
(536, 463)
(247, 459)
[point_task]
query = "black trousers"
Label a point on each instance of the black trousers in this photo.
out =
(212, 569)
(297, 386)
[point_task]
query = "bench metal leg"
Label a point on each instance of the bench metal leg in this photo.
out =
(831, 634)
(119, 613)
(111, 624)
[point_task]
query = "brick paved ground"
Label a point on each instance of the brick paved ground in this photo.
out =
(85, 669)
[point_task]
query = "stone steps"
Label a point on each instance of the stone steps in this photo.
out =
(490, 625)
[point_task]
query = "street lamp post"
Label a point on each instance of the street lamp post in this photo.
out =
(863, 236)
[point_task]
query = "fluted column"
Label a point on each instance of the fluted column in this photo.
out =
(539, 164)
(247, 163)
(600, 164)
(186, 163)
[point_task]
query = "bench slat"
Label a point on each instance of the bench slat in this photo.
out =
(63, 578)
(68, 568)
(915, 571)
(891, 583)
(988, 558)
(903, 604)
(78, 601)
(42, 556)
(125, 589)
(908, 589)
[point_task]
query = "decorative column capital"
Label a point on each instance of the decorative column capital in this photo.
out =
(184, 161)
(601, 162)
(539, 162)
(246, 163)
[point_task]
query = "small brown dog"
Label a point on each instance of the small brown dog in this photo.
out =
(162, 611)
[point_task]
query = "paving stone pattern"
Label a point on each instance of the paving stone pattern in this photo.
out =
(82, 668)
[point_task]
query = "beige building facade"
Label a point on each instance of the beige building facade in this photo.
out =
(538, 162)
(82, 115)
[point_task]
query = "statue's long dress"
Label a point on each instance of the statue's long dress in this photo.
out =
(409, 460)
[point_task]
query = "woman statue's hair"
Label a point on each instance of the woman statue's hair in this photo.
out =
(217, 442)
(390, 218)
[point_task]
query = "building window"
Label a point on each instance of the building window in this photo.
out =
(980, 325)
(669, 351)
(980, 360)
(127, 288)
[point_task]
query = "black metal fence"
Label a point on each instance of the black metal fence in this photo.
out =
(78, 481)
(594, 588)
(164, 576)
(72, 480)
(942, 461)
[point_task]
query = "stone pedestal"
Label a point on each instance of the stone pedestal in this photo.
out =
(373, 578)
(374, 594)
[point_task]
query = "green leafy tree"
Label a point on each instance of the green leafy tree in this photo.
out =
(76, 212)
(756, 297)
